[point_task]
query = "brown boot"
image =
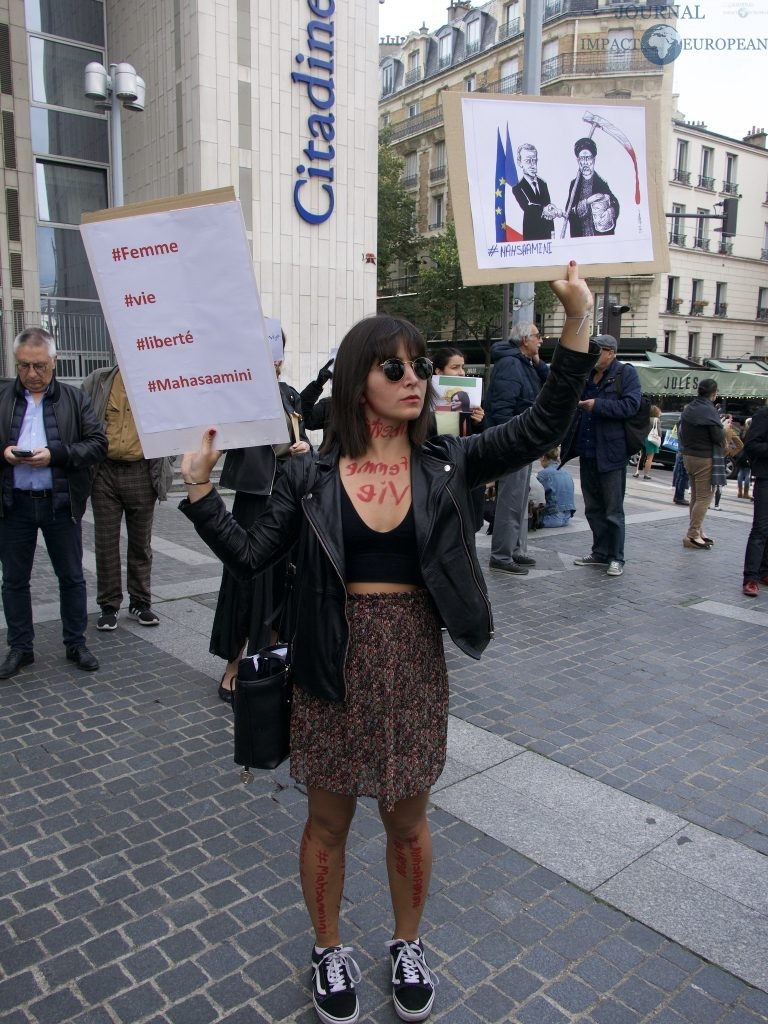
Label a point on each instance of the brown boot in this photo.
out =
(746, 490)
(740, 493)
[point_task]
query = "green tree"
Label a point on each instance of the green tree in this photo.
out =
(475, 311)
(397, 238)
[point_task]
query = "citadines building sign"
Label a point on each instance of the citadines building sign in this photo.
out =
(316, 205)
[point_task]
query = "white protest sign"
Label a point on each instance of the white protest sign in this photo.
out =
(176, 283)
(275, 338)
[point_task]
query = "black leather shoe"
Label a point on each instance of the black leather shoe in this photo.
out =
(14, 660)
(83, 658)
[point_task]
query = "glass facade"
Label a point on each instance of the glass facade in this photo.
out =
(70, 142)
(55, 133)
(82, 20)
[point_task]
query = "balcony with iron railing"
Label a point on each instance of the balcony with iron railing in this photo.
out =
(676, 238)
(470, 49)
(673, 305)
(697, 307)
(701, 243)
(401, 285)
(509, 84)
(437, 225)
(437, 173)
(681, 176)
(510, 29)
(444, 62)
(730, 188)
(560, 8)
(416, 124)
(387, 88)
(706, 183)
(721, 309)
(725, 249)
(413, 75)
(594, 65)
(762, 313)
(764, 254)
(410, 181)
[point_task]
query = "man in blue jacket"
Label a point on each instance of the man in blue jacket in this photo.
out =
(612, 395)
(518, 376)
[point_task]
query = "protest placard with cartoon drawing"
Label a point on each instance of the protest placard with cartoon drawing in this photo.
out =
(537, 181)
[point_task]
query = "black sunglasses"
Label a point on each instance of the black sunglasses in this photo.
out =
(394, 368)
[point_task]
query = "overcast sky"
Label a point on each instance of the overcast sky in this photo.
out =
(726, 90)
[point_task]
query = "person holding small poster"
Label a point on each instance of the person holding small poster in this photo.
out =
(385, 557)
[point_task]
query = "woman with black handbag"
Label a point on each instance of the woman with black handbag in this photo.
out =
(385, 557)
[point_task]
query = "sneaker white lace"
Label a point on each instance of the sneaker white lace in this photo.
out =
(335, 973)
(413, 983)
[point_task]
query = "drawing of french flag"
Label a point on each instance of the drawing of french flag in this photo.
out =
(508, 227)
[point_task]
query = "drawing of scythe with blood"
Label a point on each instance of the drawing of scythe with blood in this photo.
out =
(596, 121)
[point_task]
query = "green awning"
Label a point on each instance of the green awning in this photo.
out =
(683, 381)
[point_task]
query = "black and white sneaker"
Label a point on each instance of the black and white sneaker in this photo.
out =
(333, 985)
(413, 984)
(107, 620)
(143, 615)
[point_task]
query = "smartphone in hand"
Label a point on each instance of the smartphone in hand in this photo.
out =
(21, 453)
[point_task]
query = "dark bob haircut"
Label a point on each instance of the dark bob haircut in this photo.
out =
(364, 346)
(707, 387)
(443, 356)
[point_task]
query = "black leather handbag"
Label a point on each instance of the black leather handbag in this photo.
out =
(262, 708)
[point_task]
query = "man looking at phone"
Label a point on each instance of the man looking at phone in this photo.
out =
(51, 437)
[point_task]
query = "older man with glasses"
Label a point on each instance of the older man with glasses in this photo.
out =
(51, 438)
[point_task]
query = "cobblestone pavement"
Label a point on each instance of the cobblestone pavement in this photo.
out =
(140, 882)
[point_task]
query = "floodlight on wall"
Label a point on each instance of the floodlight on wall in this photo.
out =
(96, 81)
(124, 82)
(111, 89)
(141, 91)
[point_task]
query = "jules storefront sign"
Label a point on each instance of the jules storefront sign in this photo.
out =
(315, 205)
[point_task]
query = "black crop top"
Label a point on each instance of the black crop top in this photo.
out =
(373, 557)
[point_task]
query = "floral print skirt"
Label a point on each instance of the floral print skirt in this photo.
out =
(387, 739)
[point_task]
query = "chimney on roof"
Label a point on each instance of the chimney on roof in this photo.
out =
(457, 9)
(757, 138)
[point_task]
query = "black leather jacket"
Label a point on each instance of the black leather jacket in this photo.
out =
(81, 442)
(305, 506)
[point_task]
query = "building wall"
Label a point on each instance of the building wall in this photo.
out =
(578, 68)
(741, 265)
(222, 110)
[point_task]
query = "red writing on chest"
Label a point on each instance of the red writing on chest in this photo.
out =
(382, 492)
(372, 468)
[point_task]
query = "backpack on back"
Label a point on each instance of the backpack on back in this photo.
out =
(637, 427)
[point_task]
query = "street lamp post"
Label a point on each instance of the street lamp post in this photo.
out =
(111, 90)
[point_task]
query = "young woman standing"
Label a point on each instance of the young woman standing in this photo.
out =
(385, 557)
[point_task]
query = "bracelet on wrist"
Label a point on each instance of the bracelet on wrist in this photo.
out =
(196, 483)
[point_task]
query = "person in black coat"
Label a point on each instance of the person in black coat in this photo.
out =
(756, 554)
(532, 195)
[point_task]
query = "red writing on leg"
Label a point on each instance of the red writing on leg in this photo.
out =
(417, 865)
(401, 862)
(382, 492)
(321, 884)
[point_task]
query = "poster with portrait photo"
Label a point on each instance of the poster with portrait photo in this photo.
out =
(455, 398)
(538, 181)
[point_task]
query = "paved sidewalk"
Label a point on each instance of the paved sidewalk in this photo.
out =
(600, 830)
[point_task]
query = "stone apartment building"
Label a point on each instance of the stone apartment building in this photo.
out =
(590, 49)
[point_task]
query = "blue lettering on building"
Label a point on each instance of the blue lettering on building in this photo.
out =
(321, 130)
